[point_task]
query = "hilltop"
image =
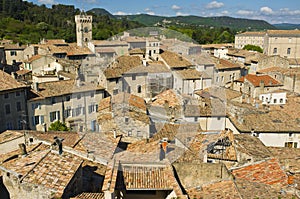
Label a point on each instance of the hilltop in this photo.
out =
(224, 21)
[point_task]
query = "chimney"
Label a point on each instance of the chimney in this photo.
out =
(145, 63)
(115, 133)
(14, 75)
(36, 86)
(57, 144)
(22, 147)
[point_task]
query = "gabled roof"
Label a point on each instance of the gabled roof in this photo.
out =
(266, 172)
(121, 65)
(222, 64)
(283, 33)
(256, 34)
(147, 176)
(175, 60)
(45, 168)
(63, 87)
(256, 80)
(191, 74)
(33, 58)
(151, 68)
(7, 82)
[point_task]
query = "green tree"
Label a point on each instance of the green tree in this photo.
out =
(58, 126)
(253, 48)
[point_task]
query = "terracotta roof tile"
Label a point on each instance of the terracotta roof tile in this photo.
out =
(255, 80)
(175, 60)
(54, 171)
(190, 74)
(86, 195)
(221, 190)
(283, 33)
(33, 58)
(9, 135)
(64, 87)
(222, 64)
(147, 177)
(266, 172)
(122, 65)
(7, 82)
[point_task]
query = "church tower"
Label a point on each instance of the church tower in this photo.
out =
(83, 29)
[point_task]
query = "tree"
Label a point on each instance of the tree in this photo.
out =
(58, 126)
(253, 47)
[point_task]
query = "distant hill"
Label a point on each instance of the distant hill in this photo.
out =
(287, 26)
(230, 22)
(101, 12)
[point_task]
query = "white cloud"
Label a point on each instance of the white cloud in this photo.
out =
(47, 2)
(181, 14)
(225, 12)
(266, 10)
(214, 5)
(175, 7)
(151, 13)
(245, 12)
(120, 13)
(147, 9)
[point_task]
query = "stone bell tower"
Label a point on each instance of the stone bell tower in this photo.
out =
(83, 29)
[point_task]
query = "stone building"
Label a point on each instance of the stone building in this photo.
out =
(83, 29)
(13, 95)
(252, 38)
(72, 102)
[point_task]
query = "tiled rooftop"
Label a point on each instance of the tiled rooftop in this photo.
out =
(33, 58)
(222, 64)
(217, 190)
(255, 80)
(7, 82)
(86, 195)
(54, 171)
(267, 172)
(175, 60)
(64, 87)
(283, 33)
(190, 74)
(121, 65)
(151, 68)
(147, 177)
(257, 34)
(168, 96)
(9, 135)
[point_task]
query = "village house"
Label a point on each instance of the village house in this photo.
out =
(106, 48)
(251, 86)
(251, 38)
(226, 72)
(276, 126)
(14, 53)
(13, 95)
(180, 47)
(147, 80)
(124, 114)
(71, 102)
(71, 168)
(111, 77)
(273, 42)
(217, 50)
(288, 76)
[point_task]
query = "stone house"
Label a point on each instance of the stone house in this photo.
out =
(111, 76)
(147, 80)
(124, 114)
(71, 169)
(69, 101)
(188, 81)
(14, 53)
(254, 85)
(109, 48)
(13, 95)
(226, 72)
(252, 38)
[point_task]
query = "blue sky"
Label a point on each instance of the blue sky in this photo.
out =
(272, 11)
